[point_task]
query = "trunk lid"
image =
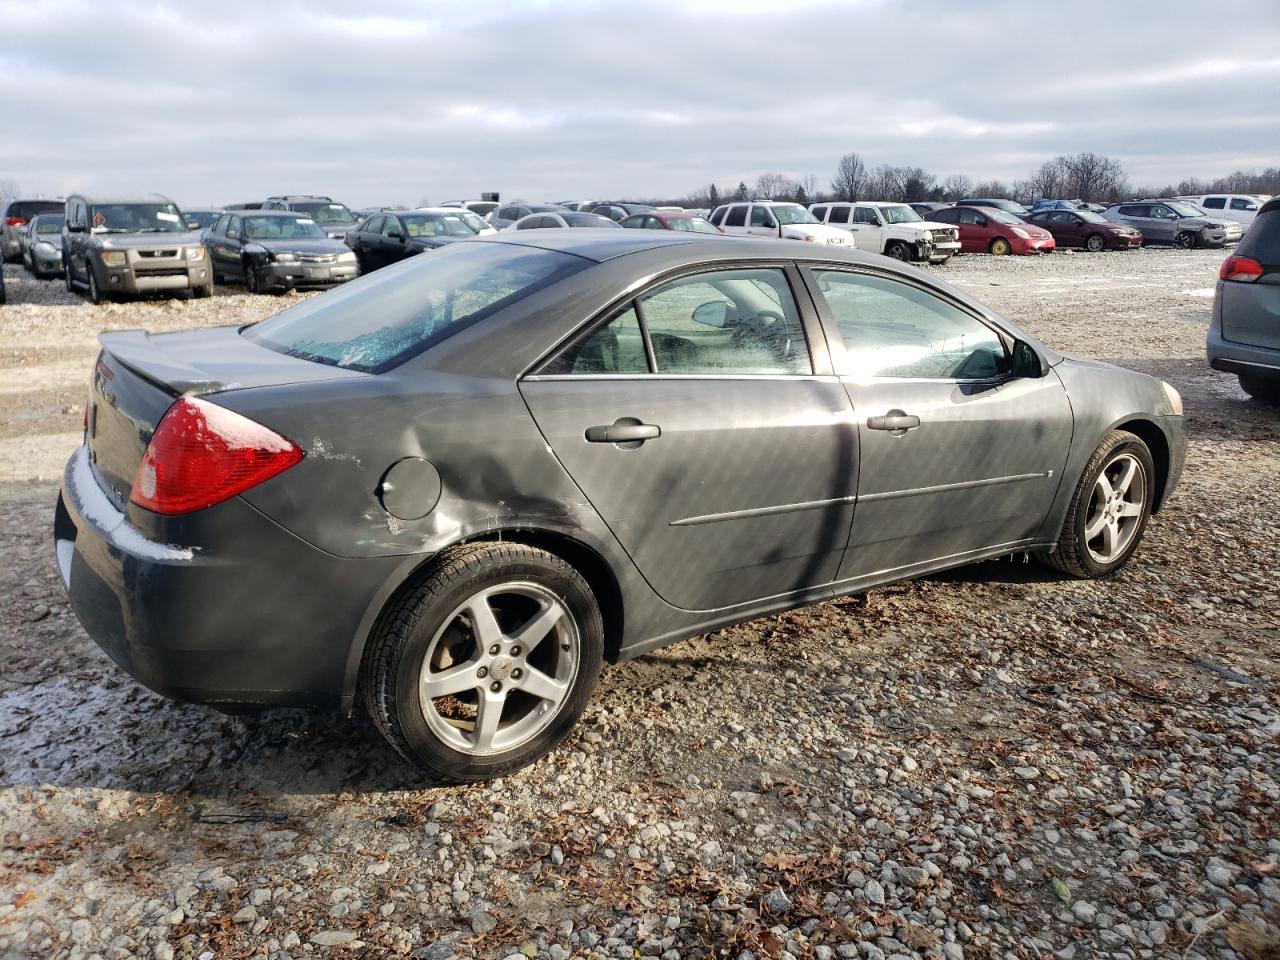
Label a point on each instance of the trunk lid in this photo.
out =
(138, 376)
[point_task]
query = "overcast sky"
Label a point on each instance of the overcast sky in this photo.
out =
(375, 102)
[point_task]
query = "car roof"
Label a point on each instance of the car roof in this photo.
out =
(256, 212)
(104, 198)
(600, 245)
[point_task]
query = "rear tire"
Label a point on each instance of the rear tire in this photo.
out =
(1000, 247)
(1095, 243)
(1109, 510)
(1261, 388)
(457, 631)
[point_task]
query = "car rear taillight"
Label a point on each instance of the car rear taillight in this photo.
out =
(1244, 269)
(15, 221)
(202, 454)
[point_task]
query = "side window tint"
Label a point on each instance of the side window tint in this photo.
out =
(717, 215)
(392, 225)
(616, 347)
(892, 329)
(819, 213)
(727, 322)
(737, 216)
(760, 217)
(1239, 203)
(839, 215)
(374, 224)
(1218, 203)
(971, 217)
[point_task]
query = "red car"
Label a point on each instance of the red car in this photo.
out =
(989, 230)
(670, 220)
(1080, 228)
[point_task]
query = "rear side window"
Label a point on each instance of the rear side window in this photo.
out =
(395, 314)
(1214, 203)
(1262, 240)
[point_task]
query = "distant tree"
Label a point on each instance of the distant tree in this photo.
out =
(1050, 180)
(809, 184)
(995, 189)
(800, 195)
(713, 197)
(742, 193)
(914, 183)
(850, 181)
(1091, 176)
(956, 187)
(773, 186)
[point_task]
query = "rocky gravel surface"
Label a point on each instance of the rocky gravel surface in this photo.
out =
(994, 762)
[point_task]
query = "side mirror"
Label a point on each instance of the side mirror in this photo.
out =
(193, 224)
(75, 228)
(713, 313)
(1025, 362)
(396, 235)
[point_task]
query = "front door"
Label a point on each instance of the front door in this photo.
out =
(761, 222)
(868, 229)
(957, 456)
(695, 421)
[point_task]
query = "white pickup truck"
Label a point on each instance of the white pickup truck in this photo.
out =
(893, 229)
(775, 218)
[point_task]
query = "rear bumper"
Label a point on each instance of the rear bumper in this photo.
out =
(1231, 357)
(221, 607)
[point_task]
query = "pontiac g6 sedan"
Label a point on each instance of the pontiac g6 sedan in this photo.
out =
(455, 487)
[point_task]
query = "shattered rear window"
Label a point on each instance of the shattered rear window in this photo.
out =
(380, 321)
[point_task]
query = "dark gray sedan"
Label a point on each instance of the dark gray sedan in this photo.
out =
(456, 486)
(276, 250)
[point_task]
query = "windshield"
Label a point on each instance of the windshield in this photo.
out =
(900, 213)
(692, 225)
(471, 220)
(999, 216)
(1186, 209)
(282, 228)
(587, 220)
(1088, 216)
(792, 213)
(400, 311)
(322, 211)
(436, 225)
(136, 218)
(48, 224)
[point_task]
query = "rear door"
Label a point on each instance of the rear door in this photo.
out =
(702, 422)
(956, 457)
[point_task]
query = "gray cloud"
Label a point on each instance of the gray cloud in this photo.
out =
(396, 101)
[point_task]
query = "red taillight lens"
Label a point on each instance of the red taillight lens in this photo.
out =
(202, 454)
(16, 221)
(1245, 269)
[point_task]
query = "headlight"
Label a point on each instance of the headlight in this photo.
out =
(1019, 232)
(45, 247)
(1175, 400)
(284, 257)
(113, 258)
(195, 253)
(348, 257)
(808, 239)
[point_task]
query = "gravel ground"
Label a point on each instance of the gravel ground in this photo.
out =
(995, 762)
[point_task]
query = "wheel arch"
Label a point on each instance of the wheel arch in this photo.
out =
(1150, 433)
(585, 559)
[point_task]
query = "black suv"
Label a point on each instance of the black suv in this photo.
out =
(335, 219)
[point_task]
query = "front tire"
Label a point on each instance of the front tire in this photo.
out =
(1187, 240)
(95, 293)
(1000, 247)
(899, 251)
(252, 283)
(1262, 389)
(486, 663)
(1110, 509)
(1095, 243)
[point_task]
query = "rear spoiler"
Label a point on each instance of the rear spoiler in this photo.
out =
(136, 350)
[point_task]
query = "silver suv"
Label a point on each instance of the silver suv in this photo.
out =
(1174, 221)
(140, 244)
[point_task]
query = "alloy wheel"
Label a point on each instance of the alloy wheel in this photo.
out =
(1095, 243)
(499, 669)
(1115, 508)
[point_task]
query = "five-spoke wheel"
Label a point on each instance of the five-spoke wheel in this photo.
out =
(486, 662)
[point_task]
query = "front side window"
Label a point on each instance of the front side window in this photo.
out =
(972, 218)
(839, 215)
(717, 215)
(760, 217)
(737, 216)
(866, 215)
(1239, 203)
(374, 224)
(1161, 212)
(393, 315)
(895, 330)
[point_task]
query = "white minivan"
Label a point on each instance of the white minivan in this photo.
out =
(777, 218)
(1240, 207)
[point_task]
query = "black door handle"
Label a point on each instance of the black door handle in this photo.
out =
(624, 430)
(895, 421)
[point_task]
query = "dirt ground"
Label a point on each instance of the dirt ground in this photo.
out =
(994, 762)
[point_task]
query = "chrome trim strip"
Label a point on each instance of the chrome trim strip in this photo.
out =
(947, 487)
(816, 378)
(760, 511)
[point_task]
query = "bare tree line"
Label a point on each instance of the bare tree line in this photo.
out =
(1082, 176)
